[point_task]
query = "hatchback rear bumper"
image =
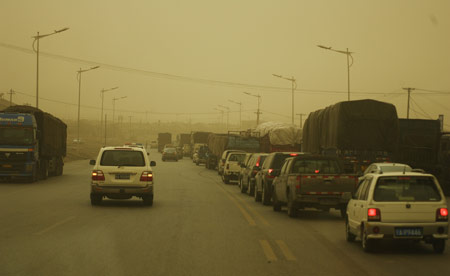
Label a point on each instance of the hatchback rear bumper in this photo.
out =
(379, 230)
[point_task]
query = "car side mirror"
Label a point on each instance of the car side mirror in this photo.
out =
(152, 163)
(148, 153)
(92, 162)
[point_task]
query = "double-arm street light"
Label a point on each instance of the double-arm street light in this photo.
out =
(114, 109)
(240, 112)
(228, 115)
(221, 112)
(101, 116)
(259, 102)
(36, 49)
(349, 56)
(79, 97)
(294, 86)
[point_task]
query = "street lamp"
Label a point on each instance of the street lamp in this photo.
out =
(349, 55)
(101, 116)
(114, 109)
(36, 39)
(240, 112)
(228, 115)
(294, 86)
(221, 111)
(259, 102)
(79, 97)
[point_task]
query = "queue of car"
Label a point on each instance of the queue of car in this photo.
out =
(389, 201)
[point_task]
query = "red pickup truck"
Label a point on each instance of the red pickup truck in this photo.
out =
(312, 181)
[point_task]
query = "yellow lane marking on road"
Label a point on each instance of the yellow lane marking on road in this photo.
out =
(254, 212)
(246, 215)
(270, 255)
(286, 251)
(54, 225)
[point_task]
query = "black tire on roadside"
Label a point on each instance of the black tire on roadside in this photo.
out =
(265, 196)
(349, 236)
(367, 244)
(276, 204)
(96, 199)
(147, 200)
(292, 208)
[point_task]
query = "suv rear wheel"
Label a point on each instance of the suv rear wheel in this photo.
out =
(349, 236)
(439, 246)
(96, 199)
(148, 200)
(265, 195)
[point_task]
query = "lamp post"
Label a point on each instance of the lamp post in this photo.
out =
(240, 112)
(228, 115)
(301, 119)
(221, 112)
(36, 41)
(114, 110)
(294, 86)
(79, 97)
(349, 55)
(259, 102)
(101, 116)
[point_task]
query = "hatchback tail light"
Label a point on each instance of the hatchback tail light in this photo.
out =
(146, 176)
(98, 175)
(373, 214)
(442, 214)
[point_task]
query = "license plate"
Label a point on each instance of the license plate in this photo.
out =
(122, 176)
(409, 232)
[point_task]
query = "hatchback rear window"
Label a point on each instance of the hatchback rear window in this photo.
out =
(122, 158)
(406, 188)
(236, 157)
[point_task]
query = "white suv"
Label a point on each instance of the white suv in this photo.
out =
(121, 173)
(232, 167)
(399, 206)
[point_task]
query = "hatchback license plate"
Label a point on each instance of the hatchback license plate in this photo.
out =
(409, 232)
(122, 176)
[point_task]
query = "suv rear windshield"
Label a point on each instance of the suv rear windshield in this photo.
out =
(279, 160)
(316, 166)
(406, 188)
(122, 158)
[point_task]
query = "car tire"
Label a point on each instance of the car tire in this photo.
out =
(250, 188)
(257, 195)
(349, 236)
(147, 200)
(343, 212)
(367, 244)
(439, 246)
(265, 196)
(96, 199)
(276, 204)
(291, 208)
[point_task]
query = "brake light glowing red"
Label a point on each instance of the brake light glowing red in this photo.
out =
(293, 154)
(257, 162)
(269, 173)
(316, 171)
(373, 214)
(146, 176)
(442, 214)
(98, 175)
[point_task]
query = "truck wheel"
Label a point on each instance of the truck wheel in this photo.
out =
(148, 200)
(33, 177)
(43, 170)
(439, 246)
(96, 199)
(292, 208)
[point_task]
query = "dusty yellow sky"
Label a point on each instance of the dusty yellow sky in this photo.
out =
(188, 57)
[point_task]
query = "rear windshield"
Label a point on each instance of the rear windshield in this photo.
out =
(236, 157)
(279, 160)
(406, 188)
(170, 150)
(122, 158)
(396, 168)
(316, 166)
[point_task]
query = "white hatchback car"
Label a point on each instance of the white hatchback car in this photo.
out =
(403, 206)
(121, 173)
(232, 167)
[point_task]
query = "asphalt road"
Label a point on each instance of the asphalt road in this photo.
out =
(196, 226)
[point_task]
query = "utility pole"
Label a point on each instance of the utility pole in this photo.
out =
(294, 86)
(259, 102)
(409, 97)
(11, 92)
(301, 119)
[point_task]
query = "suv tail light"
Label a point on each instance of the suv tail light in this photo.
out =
(269, 174)
(373, 214)
(98, 175)
(442, 214)
(146, 176)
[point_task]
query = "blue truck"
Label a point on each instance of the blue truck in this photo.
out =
(32, 144)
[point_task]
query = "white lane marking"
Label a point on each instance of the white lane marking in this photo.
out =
(54, 225)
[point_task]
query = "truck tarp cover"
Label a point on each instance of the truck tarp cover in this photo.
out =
(352, 125)
(217, 143)
(280, 133)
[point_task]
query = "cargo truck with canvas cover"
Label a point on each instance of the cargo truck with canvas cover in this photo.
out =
(164, 139)
(358, 132)
(279, 137)
(418, 144)
(32, 143)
